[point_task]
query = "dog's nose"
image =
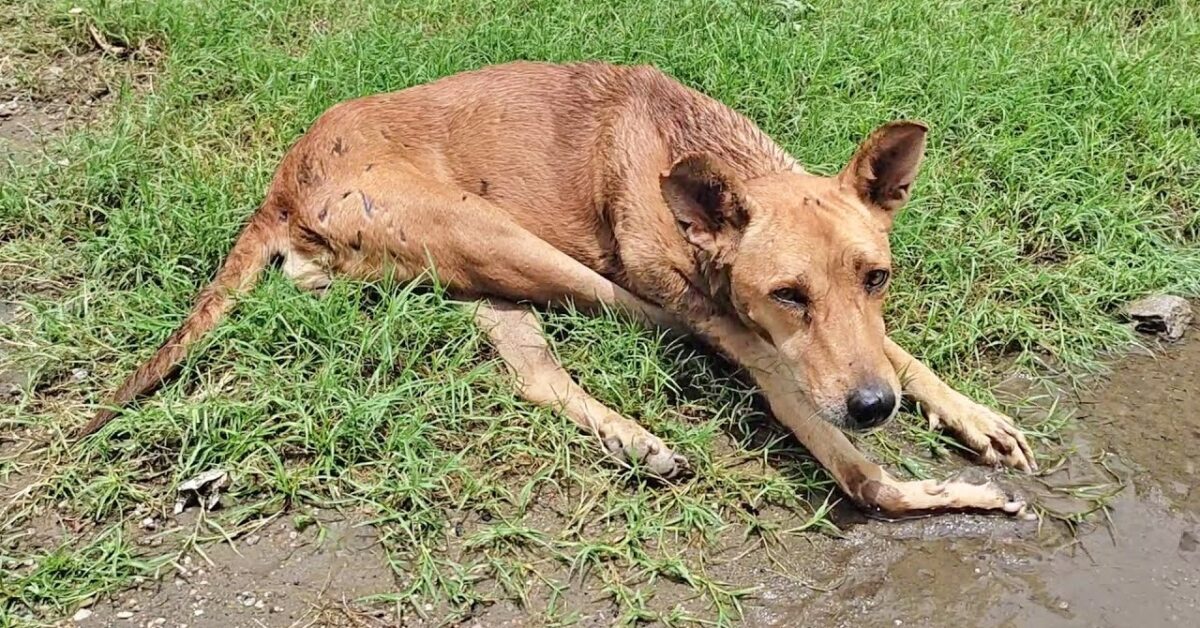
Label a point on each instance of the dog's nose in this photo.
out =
(870, 404)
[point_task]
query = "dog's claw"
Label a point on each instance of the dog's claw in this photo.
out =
(993, 436)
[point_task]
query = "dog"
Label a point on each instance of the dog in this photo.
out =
(613, 187)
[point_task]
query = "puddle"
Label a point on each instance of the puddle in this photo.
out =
(1139, 428)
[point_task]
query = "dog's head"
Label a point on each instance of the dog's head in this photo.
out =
(804, 261)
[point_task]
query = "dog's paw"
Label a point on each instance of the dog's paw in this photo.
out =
(923, 496)
(991, 435)
(632, 444)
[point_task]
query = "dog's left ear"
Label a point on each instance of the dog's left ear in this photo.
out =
(883, 169)
(708, 201)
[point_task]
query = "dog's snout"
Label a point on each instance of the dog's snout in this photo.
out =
(870, 404)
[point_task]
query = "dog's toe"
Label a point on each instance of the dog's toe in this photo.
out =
(647, 452)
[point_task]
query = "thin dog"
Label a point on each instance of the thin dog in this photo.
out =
(616, 187)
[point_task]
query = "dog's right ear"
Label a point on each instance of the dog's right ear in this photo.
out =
(708, 201)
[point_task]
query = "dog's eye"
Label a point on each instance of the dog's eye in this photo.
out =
(790, 296)
(875, 279)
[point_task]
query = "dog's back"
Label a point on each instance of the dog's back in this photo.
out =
(534, 139)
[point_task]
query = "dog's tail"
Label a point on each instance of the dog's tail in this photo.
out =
(262, 239)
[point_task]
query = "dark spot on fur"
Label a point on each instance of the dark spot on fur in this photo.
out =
(483, 187)
(307, 173)
(852, 479)
(368, 204)
(312, 238)
(357, 243)
(368, 168)
(876, 494)
(283, 214)
(339, 146)
(324, 213)
(464, 197)
(347, 194)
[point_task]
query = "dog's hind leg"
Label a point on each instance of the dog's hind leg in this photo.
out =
(517, 336)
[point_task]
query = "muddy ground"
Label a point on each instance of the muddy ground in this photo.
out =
(1138, 563)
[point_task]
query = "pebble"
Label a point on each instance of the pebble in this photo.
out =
(124, 614)
(81, 615)
(253, 539)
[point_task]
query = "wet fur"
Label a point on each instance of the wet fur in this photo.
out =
(605, 186)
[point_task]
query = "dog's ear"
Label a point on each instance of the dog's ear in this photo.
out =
(708, 201)
(883, 169)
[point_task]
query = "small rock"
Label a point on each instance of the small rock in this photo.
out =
(1163, 314)
(198, 612)
(75, 10)
(157, 621)
(204, 490)
(276, 609)
(259, 604)
(1188, 542)
(124, 614)
(78, 375)
(253, 539)
(81, 615)
(149, 524)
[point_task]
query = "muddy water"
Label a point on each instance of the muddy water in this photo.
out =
(1137, 435)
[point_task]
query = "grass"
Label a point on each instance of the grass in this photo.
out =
(1062, 180)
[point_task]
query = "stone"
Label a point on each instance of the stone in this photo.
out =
(1166, 315)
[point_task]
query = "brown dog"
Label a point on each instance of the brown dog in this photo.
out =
(609, 186)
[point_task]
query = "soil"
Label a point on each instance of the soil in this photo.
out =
(276, 576)
(1136, 563)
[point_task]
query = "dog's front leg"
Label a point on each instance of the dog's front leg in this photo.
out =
(864, 481)
(991, 435)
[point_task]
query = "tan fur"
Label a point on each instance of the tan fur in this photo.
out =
(609, 186)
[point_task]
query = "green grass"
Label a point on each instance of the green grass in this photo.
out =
(1062, 180)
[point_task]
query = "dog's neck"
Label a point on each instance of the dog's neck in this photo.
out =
(709, 126)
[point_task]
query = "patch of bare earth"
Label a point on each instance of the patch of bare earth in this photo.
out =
(50, 85)
(278, 575)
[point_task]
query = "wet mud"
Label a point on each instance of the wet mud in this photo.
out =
(1132, 559)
